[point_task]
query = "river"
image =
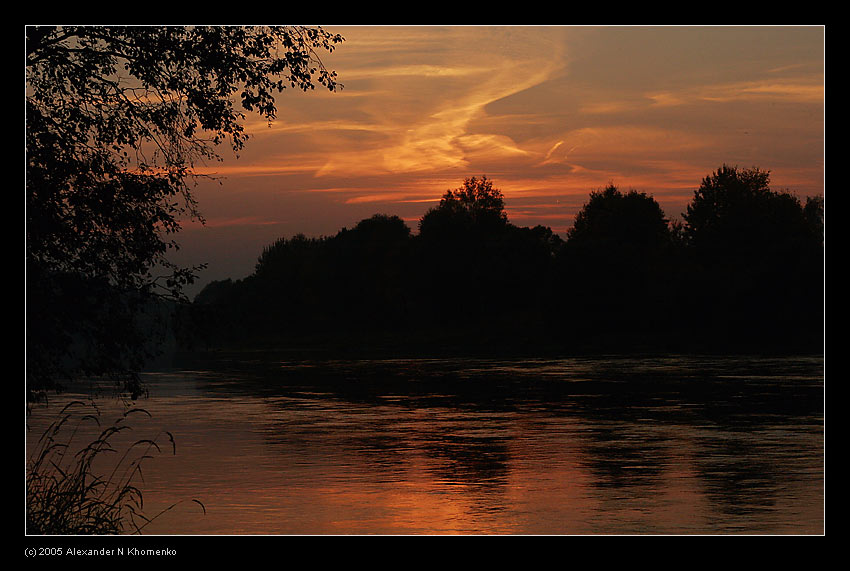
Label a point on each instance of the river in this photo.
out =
(605, 445)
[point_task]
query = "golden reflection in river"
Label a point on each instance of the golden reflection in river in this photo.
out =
(314, 464)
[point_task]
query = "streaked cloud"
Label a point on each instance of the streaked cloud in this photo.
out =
(799, 91)
(239, 221)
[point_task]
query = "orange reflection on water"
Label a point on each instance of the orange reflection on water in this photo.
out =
(314, 463)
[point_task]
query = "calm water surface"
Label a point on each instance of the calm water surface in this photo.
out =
(576, 446)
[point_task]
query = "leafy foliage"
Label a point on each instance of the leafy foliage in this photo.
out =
(117, 120)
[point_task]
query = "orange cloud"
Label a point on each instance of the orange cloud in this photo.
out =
(804, 90)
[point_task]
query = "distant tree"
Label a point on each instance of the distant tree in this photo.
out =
(623, 223)
(285, 259)
(725, 213)
(349, 283)
(370, 267)
(526, 259)
(814, 212)
(615, 263)
(743, 271)
(474, 205)
(759, 257)
(457, 253)
(116, 120)
(379, 235)
(736, 219)
(215, 292)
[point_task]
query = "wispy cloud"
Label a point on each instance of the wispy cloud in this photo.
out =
(239, 221)
(806, 90)
(423, 109)
(536, 110)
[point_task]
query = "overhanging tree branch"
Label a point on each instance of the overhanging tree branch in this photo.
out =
(117, 118)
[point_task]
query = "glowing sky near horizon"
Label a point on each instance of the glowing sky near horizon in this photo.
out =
(548, 113)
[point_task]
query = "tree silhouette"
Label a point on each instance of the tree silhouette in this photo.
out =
(757, 252)
(352, 283)
(620, 223)
(117, 117)
(615, 265)
(457, 254)
(743, 272)
(476, 206)
(371, 260)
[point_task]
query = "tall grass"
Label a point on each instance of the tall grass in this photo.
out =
(67, 494)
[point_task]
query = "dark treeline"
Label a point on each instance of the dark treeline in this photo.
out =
(742, 272)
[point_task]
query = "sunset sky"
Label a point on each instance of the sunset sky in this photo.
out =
(548, 113)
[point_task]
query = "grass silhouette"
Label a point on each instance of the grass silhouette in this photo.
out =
(66, 492)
